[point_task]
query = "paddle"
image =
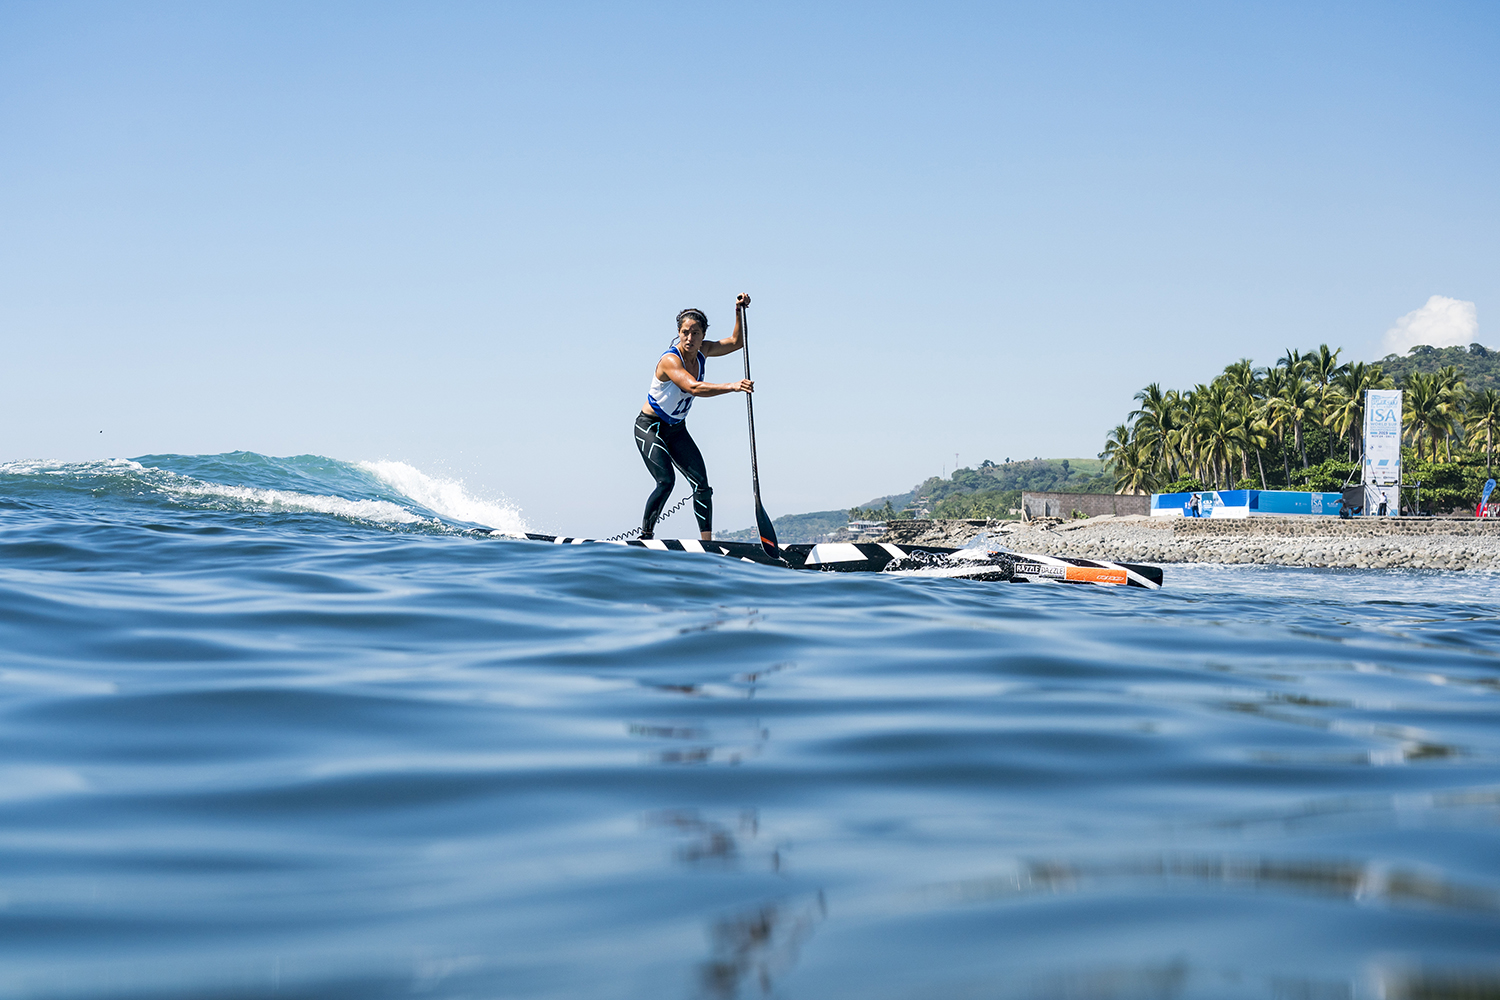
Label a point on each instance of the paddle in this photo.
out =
(763, 523)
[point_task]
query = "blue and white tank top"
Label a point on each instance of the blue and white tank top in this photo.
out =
(668, 400)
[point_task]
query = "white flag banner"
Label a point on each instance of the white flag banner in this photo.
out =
(1382, 436)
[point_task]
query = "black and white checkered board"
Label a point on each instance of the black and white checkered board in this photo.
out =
(914, 560)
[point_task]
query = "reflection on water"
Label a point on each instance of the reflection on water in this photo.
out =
(1438, 984)
(704, 745)
(1167, 980)
(1430, 810)
(757, 947)
(1180, 979)
(710, 840)
(1357, 882)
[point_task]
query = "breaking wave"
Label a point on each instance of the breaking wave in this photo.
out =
(448, 498)
(385, 493)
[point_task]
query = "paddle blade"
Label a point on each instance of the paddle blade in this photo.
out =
(767, 531)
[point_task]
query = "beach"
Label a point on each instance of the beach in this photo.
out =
(1368, 543)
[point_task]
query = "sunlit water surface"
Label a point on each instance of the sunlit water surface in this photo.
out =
(282, 728)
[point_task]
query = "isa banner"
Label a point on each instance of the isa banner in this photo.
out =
(1382, 436)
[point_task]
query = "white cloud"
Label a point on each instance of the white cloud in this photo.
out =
(1442, 322)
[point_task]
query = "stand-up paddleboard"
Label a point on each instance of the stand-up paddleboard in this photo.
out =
(907, 560)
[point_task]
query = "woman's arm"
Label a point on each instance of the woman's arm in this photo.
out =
(718, 348)
(671, 367)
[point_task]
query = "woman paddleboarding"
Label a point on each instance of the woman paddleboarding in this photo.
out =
(661, 427)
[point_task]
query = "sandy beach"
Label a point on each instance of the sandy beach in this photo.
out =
(1417, 543)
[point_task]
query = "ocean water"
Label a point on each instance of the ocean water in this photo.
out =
(288, 728)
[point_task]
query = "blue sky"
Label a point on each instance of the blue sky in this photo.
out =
(456, 234)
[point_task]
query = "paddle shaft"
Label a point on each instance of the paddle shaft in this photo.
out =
(749, 406)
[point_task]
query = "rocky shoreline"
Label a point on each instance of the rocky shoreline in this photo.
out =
(1371, 543)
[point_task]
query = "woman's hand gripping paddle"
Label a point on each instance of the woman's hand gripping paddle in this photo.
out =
(764, 527)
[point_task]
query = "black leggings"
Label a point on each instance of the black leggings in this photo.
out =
(664, 445)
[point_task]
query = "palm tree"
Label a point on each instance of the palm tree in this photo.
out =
(1244, 413)
(1295, 362)
(1133, 470)
(1423, 411)
(1215, 422)
(1187, 437)
(1349, 410)
(1254, 434)
(1324, 366)
(1242, 377)
(1322, 369)
(1153, 422)
(1118, 438)
(1451, 405)
(1243, 380)
(1297, 400)
(1340, 413)
(1174, 430)
(1484, 416)
(1416, 406)
(1273, 385)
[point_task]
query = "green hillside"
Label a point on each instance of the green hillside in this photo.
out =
(1478, 365)
(796, 527)
(991, 490)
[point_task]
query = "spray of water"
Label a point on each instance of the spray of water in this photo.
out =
(447, 497)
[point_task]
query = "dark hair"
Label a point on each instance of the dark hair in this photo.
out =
(692, 314)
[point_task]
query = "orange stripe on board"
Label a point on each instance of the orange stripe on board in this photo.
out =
(1094, 574)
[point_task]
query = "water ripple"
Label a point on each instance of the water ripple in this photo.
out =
(250, 752)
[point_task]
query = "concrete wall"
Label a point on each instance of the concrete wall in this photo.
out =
(1092, 504)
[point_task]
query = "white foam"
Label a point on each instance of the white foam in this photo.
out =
(47, 467)
(378, 511)
(447, 497)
